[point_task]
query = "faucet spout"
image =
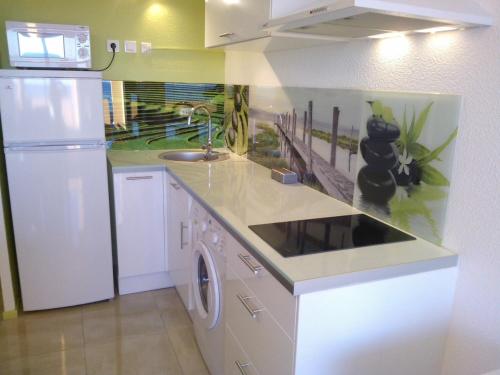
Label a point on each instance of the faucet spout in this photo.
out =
(202, 107)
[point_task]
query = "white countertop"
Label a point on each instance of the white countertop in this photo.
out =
(239, 193)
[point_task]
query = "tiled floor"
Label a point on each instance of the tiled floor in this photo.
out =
(138, 334)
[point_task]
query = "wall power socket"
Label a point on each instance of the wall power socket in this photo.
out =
(108, 45)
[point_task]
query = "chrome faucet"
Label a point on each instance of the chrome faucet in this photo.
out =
(209, 155)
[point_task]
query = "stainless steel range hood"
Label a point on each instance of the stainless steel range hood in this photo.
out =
(348, 19)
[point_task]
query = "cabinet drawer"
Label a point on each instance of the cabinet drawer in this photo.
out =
(279, 301)
(236, 361)
(267, 345)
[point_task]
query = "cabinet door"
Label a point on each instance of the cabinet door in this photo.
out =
(283, 8)
(234, 21)
(179, 239)
(140, 223)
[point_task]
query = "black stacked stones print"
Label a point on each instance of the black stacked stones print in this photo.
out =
(375, 180)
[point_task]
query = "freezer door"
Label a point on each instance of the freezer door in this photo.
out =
(51, 110)
(60, 210)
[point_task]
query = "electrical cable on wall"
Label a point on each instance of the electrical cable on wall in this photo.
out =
(113, 47)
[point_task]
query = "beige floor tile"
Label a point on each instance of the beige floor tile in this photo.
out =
(175, 317)
(70, 362)
(167, 299)
(137, 355)
(121, 305)
(139, 334)
(36, 334)
(197, 372)
(186, 349)
(100, 329)
(66, 314)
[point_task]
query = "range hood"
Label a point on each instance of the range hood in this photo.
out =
(348, 19)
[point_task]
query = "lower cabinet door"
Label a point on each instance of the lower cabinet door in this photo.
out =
(236, 361)
(140, 224)
(179, 239)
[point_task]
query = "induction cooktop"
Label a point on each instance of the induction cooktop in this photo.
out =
(312, 236)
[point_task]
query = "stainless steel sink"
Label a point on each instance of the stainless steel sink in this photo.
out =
(193, 155)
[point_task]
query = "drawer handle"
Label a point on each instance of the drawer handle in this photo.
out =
(241, 367)
(182, 235)
(255, 268)
(244, 301)
(226, 35)
(175, 186)
(134, 178)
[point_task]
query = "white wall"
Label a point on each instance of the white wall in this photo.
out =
(460, 62)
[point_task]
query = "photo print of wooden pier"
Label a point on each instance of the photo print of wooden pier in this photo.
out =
(387, 154)
(314, 132)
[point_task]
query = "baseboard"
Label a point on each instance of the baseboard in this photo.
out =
(12, 314)
(142, 283)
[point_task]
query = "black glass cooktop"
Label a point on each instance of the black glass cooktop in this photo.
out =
(313, 236)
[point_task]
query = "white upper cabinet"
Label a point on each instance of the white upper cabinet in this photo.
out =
(283, 8)
(232, 21)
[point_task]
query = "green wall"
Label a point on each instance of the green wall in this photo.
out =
(174, 27)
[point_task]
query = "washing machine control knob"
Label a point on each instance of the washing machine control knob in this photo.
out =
(204, 226)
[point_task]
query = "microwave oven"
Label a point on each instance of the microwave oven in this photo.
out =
(48, 46)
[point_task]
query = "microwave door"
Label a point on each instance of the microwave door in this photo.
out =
(41, 45)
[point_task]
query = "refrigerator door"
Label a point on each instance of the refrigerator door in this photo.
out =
(60, 211)
(37, 110)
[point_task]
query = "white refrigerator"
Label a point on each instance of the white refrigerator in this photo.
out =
(54, 144)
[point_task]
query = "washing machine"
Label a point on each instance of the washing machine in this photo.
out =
(208, 273)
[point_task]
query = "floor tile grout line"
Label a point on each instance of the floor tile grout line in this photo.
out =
(175, 353)
(84, 345)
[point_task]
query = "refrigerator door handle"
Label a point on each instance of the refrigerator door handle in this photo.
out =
(96, 146)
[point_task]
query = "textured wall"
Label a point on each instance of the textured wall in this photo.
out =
(465, 63)
(176, 29)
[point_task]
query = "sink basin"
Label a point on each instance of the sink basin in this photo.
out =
(193, 155)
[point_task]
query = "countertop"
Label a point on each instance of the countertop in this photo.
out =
(239, 193)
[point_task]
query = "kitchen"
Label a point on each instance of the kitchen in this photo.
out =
(462, 65)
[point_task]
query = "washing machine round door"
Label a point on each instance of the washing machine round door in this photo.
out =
(206, 286)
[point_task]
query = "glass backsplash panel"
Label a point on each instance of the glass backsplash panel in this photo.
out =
(389, 154)
(153, 115)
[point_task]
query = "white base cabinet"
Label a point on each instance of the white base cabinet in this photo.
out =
(139, 199)
(387, 327)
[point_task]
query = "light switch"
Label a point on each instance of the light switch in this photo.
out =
(130, 46)
(146, 47)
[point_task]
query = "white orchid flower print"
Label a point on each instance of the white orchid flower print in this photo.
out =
(404, 163)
